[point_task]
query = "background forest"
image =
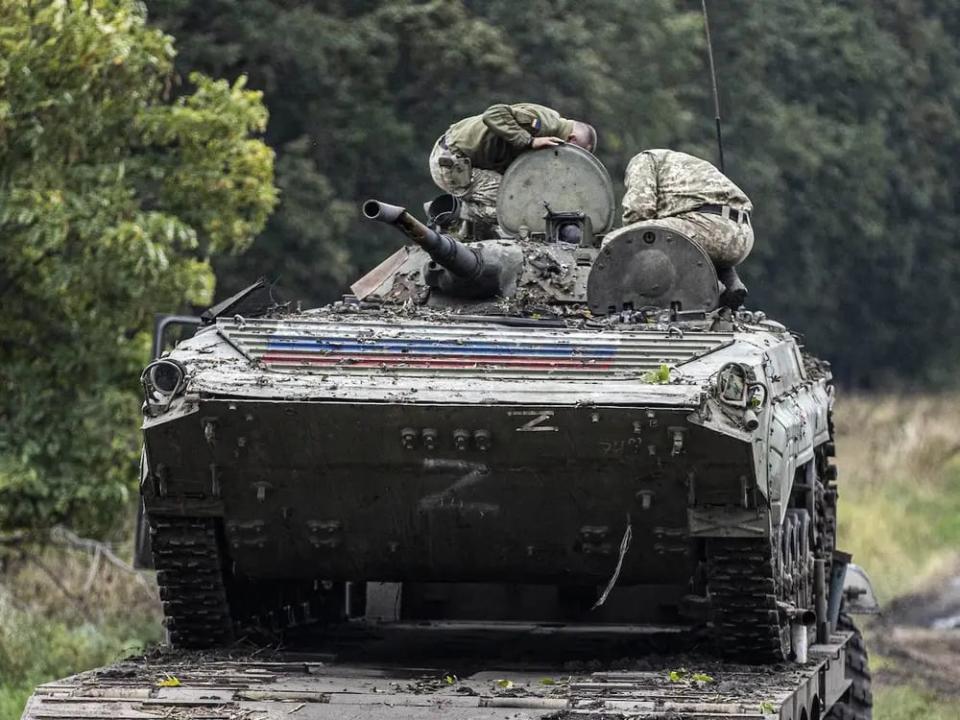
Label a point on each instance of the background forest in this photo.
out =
(139, 173)
(841, 123)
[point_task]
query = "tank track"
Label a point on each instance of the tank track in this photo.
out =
(190, 575)
(857, 702)
(826, 498)
(204, 606)
(742, 579)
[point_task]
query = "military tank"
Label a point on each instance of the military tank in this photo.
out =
(557, 424)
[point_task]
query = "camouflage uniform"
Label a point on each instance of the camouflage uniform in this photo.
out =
(470, 158)
(668, 187)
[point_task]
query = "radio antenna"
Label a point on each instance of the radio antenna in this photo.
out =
(713, 79)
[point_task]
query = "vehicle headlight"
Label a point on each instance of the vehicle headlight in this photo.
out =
(737, 387)
(166, 376)
(732, 385)
(162, 380)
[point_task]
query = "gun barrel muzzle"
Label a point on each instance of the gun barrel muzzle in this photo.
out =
(443, 249)
(382, 212)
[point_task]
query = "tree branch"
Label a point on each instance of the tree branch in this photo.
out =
(52, 576)
(14, 540)
(62, 536)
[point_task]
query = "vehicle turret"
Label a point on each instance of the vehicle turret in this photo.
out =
(455, 268)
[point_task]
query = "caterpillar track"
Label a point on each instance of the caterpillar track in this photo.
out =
(744, 593)
(191, 579)
(206, 606)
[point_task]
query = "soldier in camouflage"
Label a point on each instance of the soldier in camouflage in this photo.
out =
(470, 158)
(690, 195)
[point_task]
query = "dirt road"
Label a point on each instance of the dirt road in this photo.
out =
(920, 633)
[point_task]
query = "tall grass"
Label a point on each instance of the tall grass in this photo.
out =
(62, 612)
(899, 461)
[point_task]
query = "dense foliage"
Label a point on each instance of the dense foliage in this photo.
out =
(112, 199)
(841, 123)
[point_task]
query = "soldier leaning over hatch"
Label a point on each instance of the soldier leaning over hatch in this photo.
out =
(470, 158)
(693, 197)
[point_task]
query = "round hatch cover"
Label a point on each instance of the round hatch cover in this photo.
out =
(566, 177)
(649, 265)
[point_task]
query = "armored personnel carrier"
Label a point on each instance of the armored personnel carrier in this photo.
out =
(561, 424)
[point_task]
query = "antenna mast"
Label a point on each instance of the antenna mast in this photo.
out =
(713, 79)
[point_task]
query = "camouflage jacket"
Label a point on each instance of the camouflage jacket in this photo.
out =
(663, 183)
(495, 139)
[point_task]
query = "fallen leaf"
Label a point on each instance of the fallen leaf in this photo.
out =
(169, 681)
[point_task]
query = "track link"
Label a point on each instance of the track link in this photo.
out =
(743, 587)
(190, 574)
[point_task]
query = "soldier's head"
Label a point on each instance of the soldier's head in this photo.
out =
(583, 135)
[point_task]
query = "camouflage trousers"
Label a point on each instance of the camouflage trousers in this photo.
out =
(478, 189)
(725, 241)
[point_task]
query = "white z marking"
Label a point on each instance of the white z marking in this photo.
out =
(535, 424)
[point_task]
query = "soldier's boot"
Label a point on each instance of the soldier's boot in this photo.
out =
(735, 292)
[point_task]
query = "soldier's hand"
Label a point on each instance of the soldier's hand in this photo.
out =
(545, 142)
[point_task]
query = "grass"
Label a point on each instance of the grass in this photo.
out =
(904, 702)
(899, 460)
(62, 612)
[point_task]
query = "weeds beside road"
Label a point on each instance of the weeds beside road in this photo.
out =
(899, 461)
(64, 611)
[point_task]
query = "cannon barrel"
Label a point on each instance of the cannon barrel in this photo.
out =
(451, 254)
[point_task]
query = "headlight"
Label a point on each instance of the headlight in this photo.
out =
(162, 380)
(737, 387)
(732, 385)
(166, 376)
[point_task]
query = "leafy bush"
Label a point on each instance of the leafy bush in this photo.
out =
(64, 610)
(34, 649)
(113, 197)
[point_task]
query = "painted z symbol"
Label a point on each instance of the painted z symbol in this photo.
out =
(535, 424)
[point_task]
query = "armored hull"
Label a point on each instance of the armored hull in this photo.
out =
(352, 447)
(548, 431)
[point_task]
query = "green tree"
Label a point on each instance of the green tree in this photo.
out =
(112, 200)
(359, 91)
(844, 122)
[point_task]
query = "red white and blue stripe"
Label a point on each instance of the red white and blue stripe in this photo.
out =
(436, 353)
(410, 347)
